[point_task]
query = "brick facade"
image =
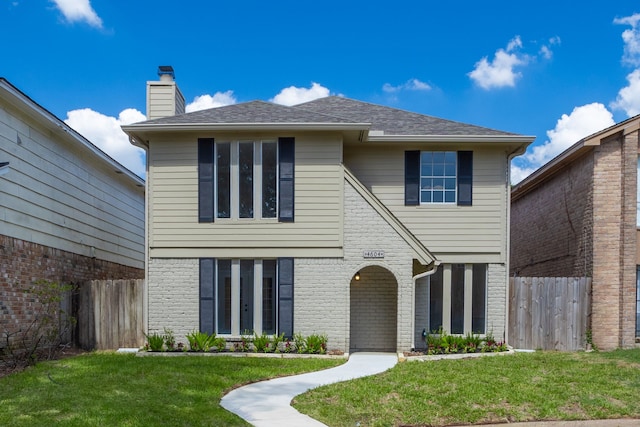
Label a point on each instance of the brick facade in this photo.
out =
(551, 227)
(580, 220)
(22, 263)
(614, 245)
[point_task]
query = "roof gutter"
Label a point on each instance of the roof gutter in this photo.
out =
(160, 127)
(38, 112)
(518, 139)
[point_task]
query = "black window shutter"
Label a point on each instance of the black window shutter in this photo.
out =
(285, 296)
(411, 178)
(207, 300)
(286, 162)
(465, 178)
(205, 179)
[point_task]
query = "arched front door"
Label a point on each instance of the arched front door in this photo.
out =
(374, 310)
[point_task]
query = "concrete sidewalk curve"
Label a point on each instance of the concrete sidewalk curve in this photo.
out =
(267, 403)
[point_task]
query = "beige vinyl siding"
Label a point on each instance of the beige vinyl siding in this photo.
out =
(316, 231)
(163, 99)
(453, 233)
(59, 194)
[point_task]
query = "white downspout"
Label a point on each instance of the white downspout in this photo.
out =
(145, 293)
(413, 301)
(521, 150)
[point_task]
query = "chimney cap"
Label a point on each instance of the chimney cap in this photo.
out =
(166, 70)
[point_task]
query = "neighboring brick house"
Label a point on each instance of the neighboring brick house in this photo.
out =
(68, 212)
(577, 216)
(335, 216)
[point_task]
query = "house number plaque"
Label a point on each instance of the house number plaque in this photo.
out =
(373, 254)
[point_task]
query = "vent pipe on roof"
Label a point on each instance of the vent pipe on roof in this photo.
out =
(166, 73)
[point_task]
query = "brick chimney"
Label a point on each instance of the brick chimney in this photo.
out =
(164, 97)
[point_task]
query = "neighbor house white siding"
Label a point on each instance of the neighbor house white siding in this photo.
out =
(59, 194)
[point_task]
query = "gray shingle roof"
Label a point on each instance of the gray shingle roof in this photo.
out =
(251, 112)
(330, 110)
(391, 120)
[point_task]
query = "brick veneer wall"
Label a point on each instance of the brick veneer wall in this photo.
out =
(551, 225)
(174, 286)
(22, 263)
(614, 246)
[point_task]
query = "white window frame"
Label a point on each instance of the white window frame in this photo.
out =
(444, 177)
(234, 195)
(468, 299)
(235, 298)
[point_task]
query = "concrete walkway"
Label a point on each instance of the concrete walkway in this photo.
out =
(266, 404)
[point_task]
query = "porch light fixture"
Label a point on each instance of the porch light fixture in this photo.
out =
(357, 276)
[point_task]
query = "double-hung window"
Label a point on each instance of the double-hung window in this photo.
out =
(438, 177)
(245, 179)
(245, 295)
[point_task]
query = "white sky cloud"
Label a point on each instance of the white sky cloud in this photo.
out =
(105, 132)
(79, 11)
(631, 38)
(296, 95)
(411, 84)
(203, 102)
(628, 98)
(582, 122)
(501, 71)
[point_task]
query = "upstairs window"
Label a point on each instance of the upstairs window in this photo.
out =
(438, 171)
(438, 177)
(245, 179)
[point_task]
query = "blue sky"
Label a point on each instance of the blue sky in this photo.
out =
(556, 70)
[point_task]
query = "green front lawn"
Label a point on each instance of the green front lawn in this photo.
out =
(520, 387)
(123, 390)
(107, 389)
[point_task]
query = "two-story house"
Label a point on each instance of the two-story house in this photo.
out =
(364, 222)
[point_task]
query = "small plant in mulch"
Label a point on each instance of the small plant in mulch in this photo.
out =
(440, 342)
(203, 342)
(263, 343)
(155, 341)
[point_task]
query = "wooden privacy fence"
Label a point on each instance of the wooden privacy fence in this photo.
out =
(110, 314)
(549, 313)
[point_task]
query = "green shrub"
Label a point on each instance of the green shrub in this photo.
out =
(202, 341)
(316, 344)
(48, 329)
(155, 341)
(262, 343)
(169, 339)
(440, 342)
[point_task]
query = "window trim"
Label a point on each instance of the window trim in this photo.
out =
(412, 175)
(207, 265)
(446, 276)
(284, 173)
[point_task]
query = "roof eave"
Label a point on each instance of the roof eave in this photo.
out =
(508, 139)
(195, 127)
(576, 150)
